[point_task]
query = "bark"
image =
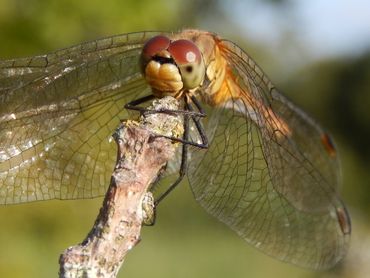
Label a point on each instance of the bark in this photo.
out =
(141, 157)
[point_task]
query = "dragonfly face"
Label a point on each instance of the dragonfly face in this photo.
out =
(172, 67)
(271, 173)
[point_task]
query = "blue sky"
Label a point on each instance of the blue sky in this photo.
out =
(323, 28)
(342, 26)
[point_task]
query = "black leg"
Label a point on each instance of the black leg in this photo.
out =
(198, 124)
(133, 105)
(184, 161)
(181, 140)
(188, 113)
(197, 104)
(186, 142)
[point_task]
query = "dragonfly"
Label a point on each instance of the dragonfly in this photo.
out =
(254, 160)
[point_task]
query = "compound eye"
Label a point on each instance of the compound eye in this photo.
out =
(185, 52)
(151, 48)
(189, 60)
(155, 45)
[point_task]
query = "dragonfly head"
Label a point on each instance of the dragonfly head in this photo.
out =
(171, 67)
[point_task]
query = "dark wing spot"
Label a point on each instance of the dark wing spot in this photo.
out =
(328, 144)
(344, 220)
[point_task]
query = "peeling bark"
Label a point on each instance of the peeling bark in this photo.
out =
(141, 157)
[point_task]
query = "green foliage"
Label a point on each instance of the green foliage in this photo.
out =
(36, 26)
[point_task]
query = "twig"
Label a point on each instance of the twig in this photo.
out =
(141, 157)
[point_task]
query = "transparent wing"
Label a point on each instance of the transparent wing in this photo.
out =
(275, 184)
(57, 113)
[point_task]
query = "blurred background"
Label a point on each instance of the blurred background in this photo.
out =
(316, 52)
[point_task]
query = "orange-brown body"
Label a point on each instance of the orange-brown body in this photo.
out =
(223, 85)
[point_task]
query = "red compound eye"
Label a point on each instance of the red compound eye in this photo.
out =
(184, 52)
(155, 45)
